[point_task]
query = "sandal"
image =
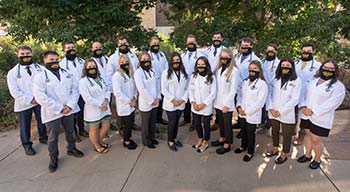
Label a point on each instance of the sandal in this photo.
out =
(106, 145)
(101, 150)
(271, 153)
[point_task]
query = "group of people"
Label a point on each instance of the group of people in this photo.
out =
(198, 85)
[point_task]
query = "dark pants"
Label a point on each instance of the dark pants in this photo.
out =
(225, 123)
(197, 124)
(53, 130)
(160, 110)
(173, 125)
(128, 122)
(248, 135)
(287, 132)
(187, 112)
(148, 125)
(25, 119)
(265, 120)
(79, 117)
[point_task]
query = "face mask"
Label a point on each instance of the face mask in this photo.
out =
(246, 50)
(123, 49)
(155, 48)
(253, 75)
(71, 54)
(191, 47)
(97, 53)
(176, 66)
(125, 67)
(306, 56)
(202, 71)
(225, 61)
(270, 55)
(25, 60)
(145, 65)
(52, 66)
(92, 72)
(327, 74)
(286, 72)
(216, 43)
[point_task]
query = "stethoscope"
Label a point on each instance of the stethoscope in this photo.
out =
(96, 59)
(37, 67)
(92, 84)
(195, 55)
(284, 87)
(312, 66)
(161, 55)
(68, 75)
(253, 87)
(148, 73)
(272, 66)
(67, 66)
(210, 48)
(250, 59)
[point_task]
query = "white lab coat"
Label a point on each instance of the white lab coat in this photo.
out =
(244, 65)
(189, 60)
(160, 65)
(53, 94)
(124, 90)
(174, 89)
(284, 99)
(20, 85)
(147, 84)
(209, 53)
(252, 99)
(201, 92)
(94, 95)
(69, 66)
(226, 89)
(102, 69)
(322, 101)
(269, 68)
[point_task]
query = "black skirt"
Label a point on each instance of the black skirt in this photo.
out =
(317, 130)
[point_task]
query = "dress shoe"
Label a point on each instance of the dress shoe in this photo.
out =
(304, 159)
(239, 150)
(222, 150)
(154, 142)
(75, 153)
(280, 159)
(172, 147)
(217, 143)
(247, 158)
(314, 164)
(151, 146)
(29, 151)
(53, 164)
(130, 145)
(178, 143)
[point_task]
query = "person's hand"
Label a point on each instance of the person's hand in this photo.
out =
(132, 102)
(66, 110)
(104, 105)
(306, 111)
(274, 113)
(155, 102)
(195, 106)
(174, 102)
(34, 102)
(225, 109)
(201, 106)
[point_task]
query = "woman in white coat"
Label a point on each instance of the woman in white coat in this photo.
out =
(175, 91)
(202, 92)
(323, 96)
(96, 110)
(148, 86)
(251, 99)
(227, 75)
(281, 102)
(124, 90)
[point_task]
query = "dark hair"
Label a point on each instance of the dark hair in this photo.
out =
(247, 39)
(258, 64)
(23, 47)
(335, 78)
(66, 43)
(47, 53)
(278, 70)
(191, 36)
(170, 69)
(122, 37)
(85, 67)
(308, 45)
(217, 32)
(273, 45)
(209, 72)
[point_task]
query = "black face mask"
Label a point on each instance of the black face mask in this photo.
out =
(253, 75)
(202, 71)
(155, 48)
(216, 43)
(176, 66)
(270, 55)
(225, 61)
(52, 66)
(191, 47)
(286, 72)
(246, 50)
(124, 49)
(71, 54)
(92, 72)
(306, 56)
(125, 67)
(25, 60)
(97, 53)
(145, 65)
(327, 74)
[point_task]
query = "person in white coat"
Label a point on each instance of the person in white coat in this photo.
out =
(213, 51)
(57, 93)
(175, 91)
(74, 64)
(159, 64)
(306, 69)
(251, 99)
(189, 58)
(227, 77)
(283, 97)
(100, 59)
(125, 92)
(149, 96)
(20, 82)
(202, 92)
(318, 104)
(96, 110)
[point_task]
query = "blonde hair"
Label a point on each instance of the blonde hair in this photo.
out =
(232, 64)
(121, 71)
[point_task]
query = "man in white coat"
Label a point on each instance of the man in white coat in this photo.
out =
(58, 95)
(74, 64)
(100, 59)
(20, 82)
(213, 51)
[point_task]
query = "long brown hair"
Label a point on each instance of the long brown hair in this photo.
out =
(232, 64)
(85, 68)
(170, 68)
(121, 71)
(208, 69)
(278, 70)
(336, 72)
(258, 64)
(142, 54)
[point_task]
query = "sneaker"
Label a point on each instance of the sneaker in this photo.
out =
(203, 147)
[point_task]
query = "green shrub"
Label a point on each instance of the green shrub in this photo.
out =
(8, 119)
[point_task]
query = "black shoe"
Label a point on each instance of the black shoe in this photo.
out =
(239, 135)
(154, 142)
(235, 126)
(280, 160)
(314, 164)
(113, 128)
(214, 127)
(162, 121)
(133, 143)
(29, 151)
(43, 141)
(172, 147)
(53, 165)
(304, 159)
(151, 146)
(217, 143)
(247, 158)
(178, 143)
(191, 128)
(83, 133)
(75, 153)
(130, 146)
(222, 150)
(239, 150)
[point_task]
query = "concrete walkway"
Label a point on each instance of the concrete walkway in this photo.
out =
(162, 170)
